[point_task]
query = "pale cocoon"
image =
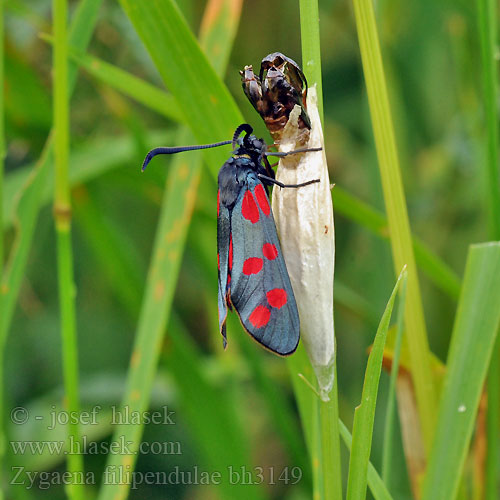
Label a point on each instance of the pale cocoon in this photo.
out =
(304, 218)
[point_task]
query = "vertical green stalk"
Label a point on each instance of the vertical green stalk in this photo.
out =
(330, 444)
(487, 12)
(397, 215)
(330, 472)
(311, 53)
(62, 217)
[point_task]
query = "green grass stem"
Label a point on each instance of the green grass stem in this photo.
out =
(487, 17)
(311, 53)
(330, 472)
(62, 216)
(397, 215)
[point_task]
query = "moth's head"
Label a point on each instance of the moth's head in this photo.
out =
(244, 142)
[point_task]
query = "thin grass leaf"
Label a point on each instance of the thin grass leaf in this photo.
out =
(391, 397)
(364, 415)
(397, 215)
(375, 483)
(474, 332)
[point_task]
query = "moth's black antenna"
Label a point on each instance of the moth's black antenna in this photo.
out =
(244, 127)
(180, 149)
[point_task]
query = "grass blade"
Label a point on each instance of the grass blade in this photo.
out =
(391, 398)
(364, 415)
(375, 483)
(474, 332)
(397, 215)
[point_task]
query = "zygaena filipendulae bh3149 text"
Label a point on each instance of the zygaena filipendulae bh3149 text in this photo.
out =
(252, 273)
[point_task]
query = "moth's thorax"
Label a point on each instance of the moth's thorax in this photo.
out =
(233, 176)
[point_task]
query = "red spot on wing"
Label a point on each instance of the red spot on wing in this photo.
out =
(261, 196)
(218, 202)
(276, 297)
(252, 265)
(260, 316)
(218, 261)
(230, 260)
(249, 208)
(270, 251)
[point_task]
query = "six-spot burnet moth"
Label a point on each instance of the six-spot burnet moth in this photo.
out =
(252, 273)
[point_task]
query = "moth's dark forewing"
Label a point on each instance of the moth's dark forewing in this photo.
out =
(223, 238)
(261, 291)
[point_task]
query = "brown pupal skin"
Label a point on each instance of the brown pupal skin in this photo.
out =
(280, 86)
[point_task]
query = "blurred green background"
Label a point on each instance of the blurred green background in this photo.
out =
(431, 56)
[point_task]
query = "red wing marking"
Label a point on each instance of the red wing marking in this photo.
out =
(249, 208)
(230, 260)
(260, 316)
(218, 261)
(276, 297)
(270, 251)
(261, 196)
(252, 265)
